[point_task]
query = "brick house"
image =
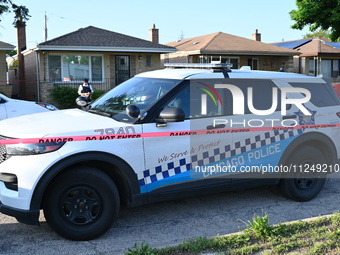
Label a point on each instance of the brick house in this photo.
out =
(106, 58)
(233, 49)
(5, 88)
(318, 57)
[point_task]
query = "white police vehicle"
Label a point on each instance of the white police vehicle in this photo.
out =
(168, 134)
(10, 108)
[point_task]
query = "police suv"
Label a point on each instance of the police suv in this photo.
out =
(185, 130)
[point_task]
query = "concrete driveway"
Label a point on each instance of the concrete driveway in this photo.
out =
(170, 223)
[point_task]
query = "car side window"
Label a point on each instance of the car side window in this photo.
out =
(202, 98)
(262, 96)
(198, 100)
(321, 93)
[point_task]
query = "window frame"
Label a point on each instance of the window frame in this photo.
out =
(148, 61)
(62, 71)
(210, 58)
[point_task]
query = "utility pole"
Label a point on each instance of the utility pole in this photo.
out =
(45, 28)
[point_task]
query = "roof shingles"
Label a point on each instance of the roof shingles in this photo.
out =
(224, 43)
(97, 37)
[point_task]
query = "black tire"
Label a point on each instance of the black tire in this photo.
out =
(81, 204)
(303, 185)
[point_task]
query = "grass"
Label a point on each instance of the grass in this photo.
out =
(319, 236)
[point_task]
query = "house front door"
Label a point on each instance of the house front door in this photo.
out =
(122, 68)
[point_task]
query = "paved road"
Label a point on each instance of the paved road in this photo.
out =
(170, 223)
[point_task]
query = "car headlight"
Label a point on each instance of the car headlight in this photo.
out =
(32, 148)
(47, 106)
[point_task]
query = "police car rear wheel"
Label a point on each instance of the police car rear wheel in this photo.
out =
(81, 204)
(302, 183)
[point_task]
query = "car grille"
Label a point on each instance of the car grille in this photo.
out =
(3, 152)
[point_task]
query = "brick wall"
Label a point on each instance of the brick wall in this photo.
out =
(3, 68)
(6, 90)
(31, 77)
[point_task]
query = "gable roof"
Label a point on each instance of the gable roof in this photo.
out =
(222, 43)
(97, 39)
(6, 46)
(312, 46)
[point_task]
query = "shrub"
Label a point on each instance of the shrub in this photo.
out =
(65, 96)
(97, 93)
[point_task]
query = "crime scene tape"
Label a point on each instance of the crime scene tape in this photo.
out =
(159, 134)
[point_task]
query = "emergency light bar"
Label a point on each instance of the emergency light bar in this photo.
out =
(215, 67)
(199, 65)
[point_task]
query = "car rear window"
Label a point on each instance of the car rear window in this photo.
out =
(322, 94)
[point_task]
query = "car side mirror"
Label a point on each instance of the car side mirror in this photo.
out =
(170, 114)
(132, 111)
(82, 101)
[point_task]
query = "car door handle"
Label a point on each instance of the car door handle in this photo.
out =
(286, 117)
(216, 126)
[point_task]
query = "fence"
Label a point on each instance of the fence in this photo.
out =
(104, 85)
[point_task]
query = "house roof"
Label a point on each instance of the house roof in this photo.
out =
(292, 44)
(312, 46)
(335, 45)
(6, 46)
(97, 39)
(222, 43)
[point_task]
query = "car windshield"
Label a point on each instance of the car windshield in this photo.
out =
(139, 91)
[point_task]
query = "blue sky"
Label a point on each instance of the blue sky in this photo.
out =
(174, 19)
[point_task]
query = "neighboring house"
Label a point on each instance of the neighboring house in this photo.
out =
(106, 58)
(226, 48)
(5, 88)
(319, 57)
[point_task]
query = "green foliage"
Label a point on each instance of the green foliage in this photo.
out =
(97, 93)
(11, 53)
(143, 249)
(320, 236)
(65, 96)
(20, 12)
(259, 226)
(196, 245)
(324, 14)
(318, 33)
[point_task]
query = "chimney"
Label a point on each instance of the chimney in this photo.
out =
(256, 36)
(153, 34)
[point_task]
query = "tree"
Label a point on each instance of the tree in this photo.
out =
(324, 14)
(318, 33)
(20, 12)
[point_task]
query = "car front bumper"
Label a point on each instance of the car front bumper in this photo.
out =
(30, 217)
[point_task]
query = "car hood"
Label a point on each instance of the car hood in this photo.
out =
(53, 123)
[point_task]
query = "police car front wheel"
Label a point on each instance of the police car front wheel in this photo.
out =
(81, 204)
(301, 184)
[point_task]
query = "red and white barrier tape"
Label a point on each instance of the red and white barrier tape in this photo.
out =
(159, 134)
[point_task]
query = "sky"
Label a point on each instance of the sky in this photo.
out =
(175, 19)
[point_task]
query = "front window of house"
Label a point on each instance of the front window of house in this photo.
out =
(75, 67)
(327, 68)
(148, 61)
(221, 59)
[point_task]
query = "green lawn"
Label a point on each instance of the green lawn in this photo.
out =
(317, 236)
